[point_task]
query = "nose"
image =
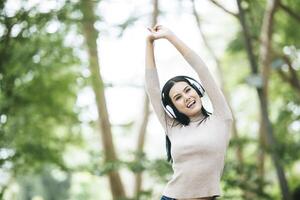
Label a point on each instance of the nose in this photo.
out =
(187, 98)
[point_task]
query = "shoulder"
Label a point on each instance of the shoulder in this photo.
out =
(221, 118)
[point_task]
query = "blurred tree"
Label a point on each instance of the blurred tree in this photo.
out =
(91, 35)
(49, 183)
(38, 74)
(266, 53)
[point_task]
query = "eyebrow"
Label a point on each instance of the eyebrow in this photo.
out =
(179, 94)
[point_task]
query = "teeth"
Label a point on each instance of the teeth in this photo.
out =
(190, 104)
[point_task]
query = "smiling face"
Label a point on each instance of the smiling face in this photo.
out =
(186, 99)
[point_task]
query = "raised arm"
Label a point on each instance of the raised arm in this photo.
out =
(152, 84)
(215, 94)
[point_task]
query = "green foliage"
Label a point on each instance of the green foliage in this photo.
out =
(244, 183)
(237, 44)
(45, 184)
(139, 164)
(38, 76)
(109, 167)
(286, 27)
(144, 194)
(161, 170)
(39, 83)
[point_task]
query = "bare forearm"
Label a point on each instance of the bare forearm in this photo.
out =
(150, 60)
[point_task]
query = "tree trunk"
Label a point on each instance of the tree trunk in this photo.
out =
(261, 156)
(264, 61)
(91, 34)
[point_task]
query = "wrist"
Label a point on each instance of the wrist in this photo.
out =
(149, 41)
(170, 36)
(150, 44)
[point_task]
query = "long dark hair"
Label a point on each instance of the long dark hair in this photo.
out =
(180, 117)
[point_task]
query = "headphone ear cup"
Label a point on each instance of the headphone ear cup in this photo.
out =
(170, 111)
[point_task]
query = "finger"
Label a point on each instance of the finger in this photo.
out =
(157, 26)
(151, 30)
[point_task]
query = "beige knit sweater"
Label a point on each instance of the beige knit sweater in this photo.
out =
(198, 151)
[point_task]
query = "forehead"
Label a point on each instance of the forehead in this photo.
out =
(178, 87)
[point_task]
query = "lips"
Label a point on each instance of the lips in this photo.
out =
(191, 103)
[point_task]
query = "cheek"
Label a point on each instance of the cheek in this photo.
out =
(199, 102)
(179, 105)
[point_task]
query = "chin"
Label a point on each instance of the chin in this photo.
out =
(194, 112)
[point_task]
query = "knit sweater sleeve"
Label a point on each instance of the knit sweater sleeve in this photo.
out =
(220, 106)
(153, 91)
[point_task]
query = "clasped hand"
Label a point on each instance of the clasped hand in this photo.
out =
(158, 32)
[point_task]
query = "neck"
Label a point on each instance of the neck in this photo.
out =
(197, 118)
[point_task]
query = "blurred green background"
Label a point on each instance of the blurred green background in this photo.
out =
(75, 122)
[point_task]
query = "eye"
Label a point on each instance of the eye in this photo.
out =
(177, 98)
(187, 90)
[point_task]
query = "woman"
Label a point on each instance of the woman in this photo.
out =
(199, 139)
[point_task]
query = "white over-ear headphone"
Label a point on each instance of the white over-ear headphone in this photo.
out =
(197, 86)
(169, 110)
